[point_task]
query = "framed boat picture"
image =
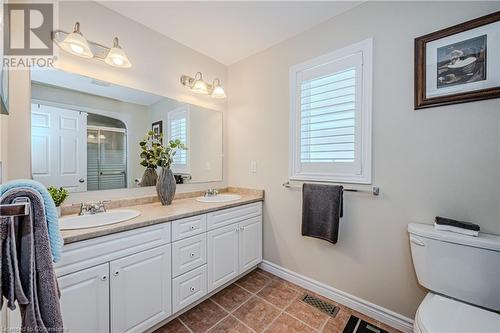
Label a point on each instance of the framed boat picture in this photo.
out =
(458, 64)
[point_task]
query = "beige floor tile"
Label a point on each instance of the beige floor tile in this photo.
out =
(230, 325)
(308, 314)
(287, 324)
(253, 282)
(231, 297)
(203, 316)
(278, 294)
(174, 326)
(256, 313)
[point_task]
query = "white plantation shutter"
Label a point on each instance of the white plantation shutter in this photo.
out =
(178, 129)
(330, 118)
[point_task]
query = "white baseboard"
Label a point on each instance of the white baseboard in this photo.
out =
(374, 311)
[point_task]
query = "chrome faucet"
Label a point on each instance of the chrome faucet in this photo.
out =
(91, 208)
(211, 192)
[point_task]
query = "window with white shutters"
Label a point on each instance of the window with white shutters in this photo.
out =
(178, 122)
(331, 117)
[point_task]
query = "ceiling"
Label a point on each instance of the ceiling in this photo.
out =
(91, 86)
(229, 31)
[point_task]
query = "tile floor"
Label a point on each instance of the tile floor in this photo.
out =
(261, 302)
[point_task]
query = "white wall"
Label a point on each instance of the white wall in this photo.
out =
(158, 62)
(205, 144)
(439, 161)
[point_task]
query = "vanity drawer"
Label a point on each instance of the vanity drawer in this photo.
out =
(232, 215)
(189, 253)
(80, 255)
(189, 226)
(189, 287)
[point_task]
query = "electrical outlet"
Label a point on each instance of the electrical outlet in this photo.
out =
(253, 167)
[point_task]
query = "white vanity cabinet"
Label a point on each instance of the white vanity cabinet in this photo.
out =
(140, 290)
(222, 256)
(250, 243)
(85, 300)
(237, 246)
(131, 281)
(130, 294)
(128, 289)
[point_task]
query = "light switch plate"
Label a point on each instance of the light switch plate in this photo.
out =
(253, 167)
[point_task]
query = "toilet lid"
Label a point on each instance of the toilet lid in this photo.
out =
(441, 314)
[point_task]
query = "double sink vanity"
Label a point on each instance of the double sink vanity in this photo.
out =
(132, 264)
(134, 275)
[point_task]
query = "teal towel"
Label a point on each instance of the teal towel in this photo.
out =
(55, 238)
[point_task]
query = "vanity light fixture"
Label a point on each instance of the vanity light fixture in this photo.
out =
(75, 43)
(116, 57)
(199, 86)
(217, 90)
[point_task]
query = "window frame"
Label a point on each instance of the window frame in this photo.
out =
(363, 128)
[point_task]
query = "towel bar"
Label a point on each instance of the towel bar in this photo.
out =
(17, 209)
(374, 191)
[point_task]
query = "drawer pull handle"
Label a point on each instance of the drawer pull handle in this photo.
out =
(191, 255)
(192, 289)
(104, 278)
(116, 273)
(192, 227)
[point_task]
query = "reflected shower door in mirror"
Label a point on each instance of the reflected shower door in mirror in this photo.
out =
(86, 133)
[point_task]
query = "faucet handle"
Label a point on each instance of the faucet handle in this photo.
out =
(83, 207)
(211, 192)
(103, 204)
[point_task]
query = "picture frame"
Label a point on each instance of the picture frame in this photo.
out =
(458, 64)
(157, 127)
(4, 90)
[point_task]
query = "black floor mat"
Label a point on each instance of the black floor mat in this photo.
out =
(356, 325)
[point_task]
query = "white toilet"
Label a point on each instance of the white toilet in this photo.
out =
(463, 276)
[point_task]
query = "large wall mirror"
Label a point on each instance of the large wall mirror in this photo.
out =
(85, 133)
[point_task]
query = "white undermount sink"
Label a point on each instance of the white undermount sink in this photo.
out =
(97, 220)
(219, 198)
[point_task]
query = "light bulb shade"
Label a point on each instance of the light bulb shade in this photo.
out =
(117, 58)
(218, 92)
(76, 44)
(200, 87)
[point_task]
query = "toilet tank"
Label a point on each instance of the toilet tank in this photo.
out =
(463, 267)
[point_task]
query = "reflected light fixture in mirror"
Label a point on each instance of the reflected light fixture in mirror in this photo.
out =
(76, 44)
(116, 57)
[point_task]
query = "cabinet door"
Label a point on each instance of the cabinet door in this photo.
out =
(85, 300)
(140, 290)
(250, 243)
(222, 256)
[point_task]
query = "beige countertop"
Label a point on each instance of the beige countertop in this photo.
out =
(154, 213)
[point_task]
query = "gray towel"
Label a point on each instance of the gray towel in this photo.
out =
(321, 211)
(28, 275)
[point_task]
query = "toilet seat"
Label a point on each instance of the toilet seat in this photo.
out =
(439, 314)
